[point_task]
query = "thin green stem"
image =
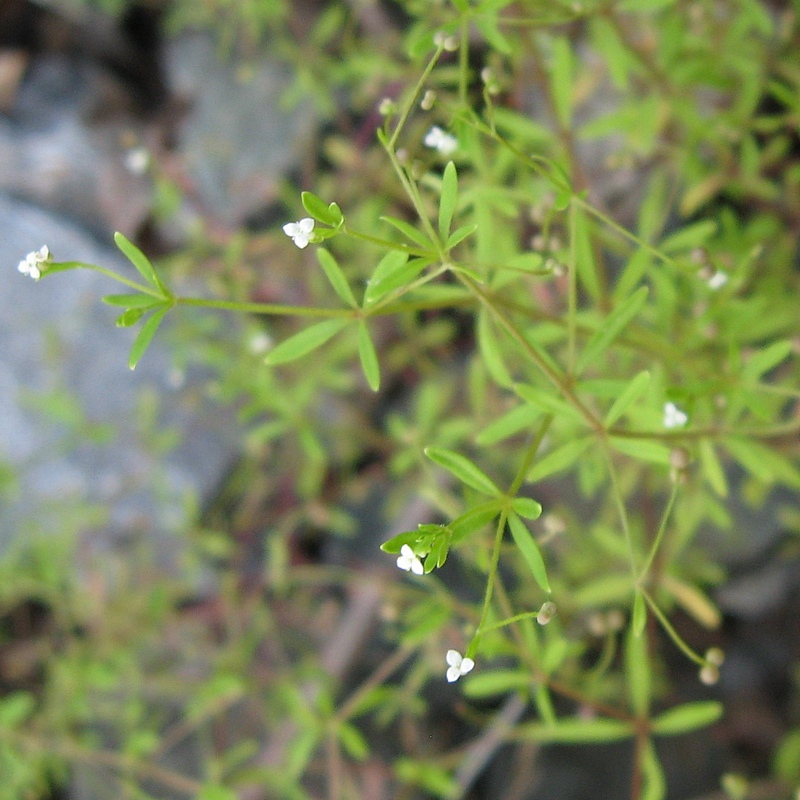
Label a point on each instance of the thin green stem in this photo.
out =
(671, 632)
(616, 491)
(660, 535)
(267, 308)
(572, 289)
(139, 287)
(389, 245)
(530, 454)
(405, 113)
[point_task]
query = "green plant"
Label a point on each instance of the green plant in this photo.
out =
(605, 371)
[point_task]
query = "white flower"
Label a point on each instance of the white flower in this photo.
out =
(408, 561)
(674, 417)
(437, 139)
(35, 263)
(717, 280)
(300, 231)
(458, 665)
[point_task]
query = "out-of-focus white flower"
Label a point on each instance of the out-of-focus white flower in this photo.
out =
(458, 665)
(717, 280)
(437, 139)
(137, 160)
(300, 231)
(408, 561)
(674, 417)
(35, 263)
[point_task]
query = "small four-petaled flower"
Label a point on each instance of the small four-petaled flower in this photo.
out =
(674, 417)
(300, 231)
(35, 263)
(458, 665)
(408, 561)
(437, 139)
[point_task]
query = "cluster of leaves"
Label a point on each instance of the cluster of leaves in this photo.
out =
(535, 328)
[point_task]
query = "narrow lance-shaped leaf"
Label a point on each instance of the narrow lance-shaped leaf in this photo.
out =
(409, 231)
(336, 277)
(139, 260)
(712, 468)
(687, 717)
(655, 784)
(369, 357)
(561, 81)
(560, 459)
(145, 336)
(639, 614)
(632, 392)
(448, 199)
(490, 351)
(393, 271)
(637, 668)
(529, 549)
(131, 300)
(305, 341)
(463, 469)
(611, 327)
(320, 210)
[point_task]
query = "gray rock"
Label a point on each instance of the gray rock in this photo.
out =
(70, 408)
(236, 142)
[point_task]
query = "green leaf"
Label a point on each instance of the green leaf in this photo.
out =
(393, 271)
(216, 792)
(139, 260)
(493, 682)
(473, 520)
(712, 469)
(463, 469)
(130, 317)
(529, 549)
(353, 741)
(632, 392)
(305, 341)
(526, 507)
(637, 668)
(763, 463)
(448, 199)
(655, 784)
(577, 731)
(487, 25)
(459, 235)
(145, 336)
(409, 231)
(687, 717)
(689, 236)
(431, 778)
(642, 449)
(490, 351)
(610, 328)
(336, 277)
(766, 359)
(15, 708)
(544, 704)
(547, 402)
(584, 252)
(512, 422)
(320, 210)
(131, 300)
(561, 81)
(639, 614)
(369, 357)
(559, 459)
